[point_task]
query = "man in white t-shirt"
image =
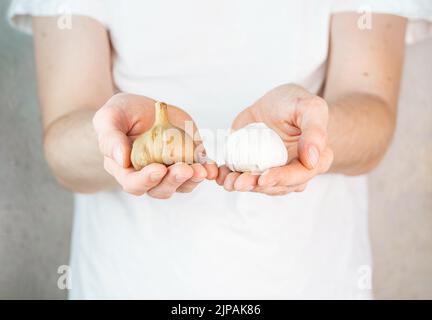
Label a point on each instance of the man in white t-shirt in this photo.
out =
(323, 76)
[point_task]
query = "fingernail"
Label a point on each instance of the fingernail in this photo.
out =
(193, 179)
(313, 156)
(180, 178)
(118, 156)
(156, 176)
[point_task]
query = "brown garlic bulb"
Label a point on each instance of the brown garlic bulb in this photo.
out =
(163, 143)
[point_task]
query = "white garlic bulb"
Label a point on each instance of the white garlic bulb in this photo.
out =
(254, 148)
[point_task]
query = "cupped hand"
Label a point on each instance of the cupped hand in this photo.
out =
(118, 123)
(300, 118)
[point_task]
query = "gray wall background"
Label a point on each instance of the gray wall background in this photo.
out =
(36, 214)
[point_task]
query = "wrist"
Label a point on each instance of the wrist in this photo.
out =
(359, 132)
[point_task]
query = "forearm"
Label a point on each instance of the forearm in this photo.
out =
(360, 130)
(72, 152)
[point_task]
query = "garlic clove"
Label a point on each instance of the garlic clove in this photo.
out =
(255, 148)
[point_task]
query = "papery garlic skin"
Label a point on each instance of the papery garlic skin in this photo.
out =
(162, 143)
(255, 148)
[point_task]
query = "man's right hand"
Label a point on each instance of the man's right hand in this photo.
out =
(118, 123)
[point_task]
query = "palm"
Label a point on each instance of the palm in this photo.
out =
(290, 110)
(268, 114)
(300, 119)
(138, 118)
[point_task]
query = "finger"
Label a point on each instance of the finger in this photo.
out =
(246, 182)
(222, 174)
(230, 180)
(187, 124)
(115, 145)
(130, 113)
(279, 191)
(199, 174)
(300, 188)
(121, 116)
(244, 118)
(313, 121)
(292, 174)
(274, 191)
(136, 182)
(211, 169)
(111, 128)
(326, 160)
(177, 174)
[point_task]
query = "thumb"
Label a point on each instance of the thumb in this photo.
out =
(115, 144)
(111, 127)
(243, 119)
(313, 125)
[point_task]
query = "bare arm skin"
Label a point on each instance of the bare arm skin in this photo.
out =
(86, 127)
(362, 89)
(74, 80)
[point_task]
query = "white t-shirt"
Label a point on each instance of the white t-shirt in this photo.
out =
(213, 59)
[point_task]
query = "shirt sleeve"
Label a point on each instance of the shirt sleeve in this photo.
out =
(418, 13)
(20, 12)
